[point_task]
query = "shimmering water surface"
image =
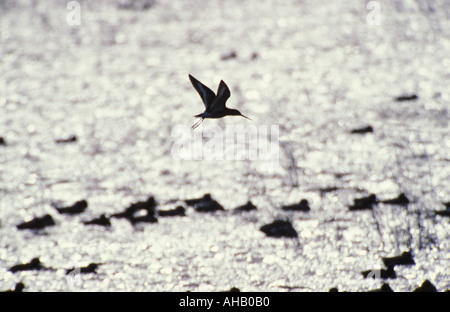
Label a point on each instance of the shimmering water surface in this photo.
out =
(317, 69)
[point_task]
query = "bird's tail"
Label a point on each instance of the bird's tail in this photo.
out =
(199, 115)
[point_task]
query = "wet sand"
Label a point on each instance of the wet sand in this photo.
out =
(87, 113)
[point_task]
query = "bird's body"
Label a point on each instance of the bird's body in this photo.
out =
(214, 104)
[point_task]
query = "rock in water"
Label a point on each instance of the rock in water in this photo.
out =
(404, 98)
(18, 288)
(364, 203)
(279, 228)
(446, 212)
(178, 211)
(401, 200)
(91, 268)
(303, 205)
(404, 259)
(34, 264)
(228, 56)
(78, 207)
(426, 286)
(208, 206)
(363, 130)
(37, 223)
(70, 139)
(136, 5)
(384, 288)
(102, 220)
(132, 212)
(195, 201)
(247, 207)
(204, 204)
(380, 273)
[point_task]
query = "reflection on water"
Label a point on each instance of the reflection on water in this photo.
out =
(118, 83)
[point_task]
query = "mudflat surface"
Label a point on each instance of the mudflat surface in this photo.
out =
(316, 69)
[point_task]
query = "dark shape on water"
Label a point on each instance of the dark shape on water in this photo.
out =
(446, 212)
(79, 207)
(228, 56)
(37, 223)
(426, 286)
(208, 206)
(214, 104)
(247, 207)
(131, 213)
(144, 219)
(303, 205)
(279, 228)
(178, 211)
(401, 200)
(363, 130)
(102, 220)
(380, 273)
(91, 268)
(328, 189)
(18, 288)
(34, 264)
(404, 259)
(204, 204)
(193, 202)
(2, 141)
(234, 289)
(136, 5)
(70, 139)
(404, 98)
(334, 289)
(384, 288)
(364, 203)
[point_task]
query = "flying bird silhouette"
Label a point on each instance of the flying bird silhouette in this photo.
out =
(214, 104)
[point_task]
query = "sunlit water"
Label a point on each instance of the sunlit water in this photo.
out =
(317, 69)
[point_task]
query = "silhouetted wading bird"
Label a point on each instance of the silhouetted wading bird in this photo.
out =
(214, 104)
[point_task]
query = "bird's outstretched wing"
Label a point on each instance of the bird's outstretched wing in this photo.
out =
(205, 93)
(223, 93)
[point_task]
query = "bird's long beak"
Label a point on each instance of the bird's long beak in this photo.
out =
(245, 117)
